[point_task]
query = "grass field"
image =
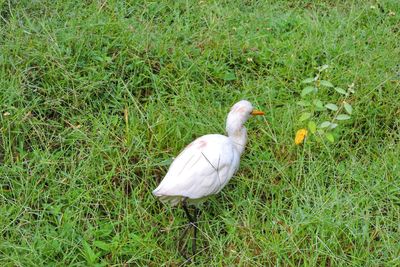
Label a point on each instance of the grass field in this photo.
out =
(97, 97)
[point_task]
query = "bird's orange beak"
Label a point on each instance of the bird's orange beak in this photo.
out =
(257, 112)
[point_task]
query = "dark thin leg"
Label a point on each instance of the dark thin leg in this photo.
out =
(185, 231)
(192, 223)
(196, 210)
(184, 204)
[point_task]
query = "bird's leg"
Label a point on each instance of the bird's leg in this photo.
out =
(196, 212)
(185, 208)
(184, 233)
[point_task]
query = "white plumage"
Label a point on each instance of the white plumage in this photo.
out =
(207, 164)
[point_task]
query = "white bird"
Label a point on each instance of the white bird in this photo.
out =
(206, 165)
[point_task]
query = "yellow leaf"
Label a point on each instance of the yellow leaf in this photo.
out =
(300, 136)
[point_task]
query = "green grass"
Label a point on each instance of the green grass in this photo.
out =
(76, 176)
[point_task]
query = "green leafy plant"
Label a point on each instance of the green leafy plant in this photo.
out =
(320, 118)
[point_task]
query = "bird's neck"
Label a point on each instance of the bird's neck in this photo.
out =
(239, 138)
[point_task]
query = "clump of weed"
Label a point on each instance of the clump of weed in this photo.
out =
(321, 119)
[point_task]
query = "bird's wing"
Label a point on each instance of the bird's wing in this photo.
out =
(201, 169)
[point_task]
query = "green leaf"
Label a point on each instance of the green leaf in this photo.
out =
(329, 137)
(89, 254)
(305, 116)
(326, 83)
(340, 91)
(342, 117)
(229, 76)
(308, 80)
(323, 67)
(331, 106)
(104, 230)
(307, 90)
(318, 103)
(333, 126)
(348, 108)
(102, 245)
(325, 124)
(312, 127)
(303, 103)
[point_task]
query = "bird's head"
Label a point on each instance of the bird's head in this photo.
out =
(239, 114)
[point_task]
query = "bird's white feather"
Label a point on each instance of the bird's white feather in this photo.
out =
(206, 165)
(203, 168)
